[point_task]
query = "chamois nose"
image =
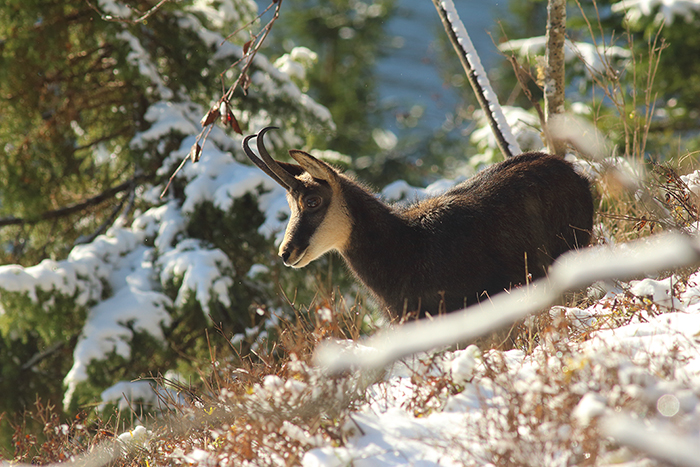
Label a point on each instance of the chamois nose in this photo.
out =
(285, 255)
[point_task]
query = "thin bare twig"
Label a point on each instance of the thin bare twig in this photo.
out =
(520, 74)
(635, 130)
(103, 227)
(143, 16)
(75, 208)
(222, 109)
(249, 23)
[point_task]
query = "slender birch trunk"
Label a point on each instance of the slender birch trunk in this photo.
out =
(554, 70)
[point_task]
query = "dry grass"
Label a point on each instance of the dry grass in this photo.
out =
(265, 408)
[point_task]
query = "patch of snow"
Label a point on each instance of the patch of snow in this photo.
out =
(81, 274)
(385, 139)
(463, 366)
(200, 271)
(124, 393)
(166, 117)
(220, 13)
(136, 438)
(524, 126)
(297, 62)
(590, 407)
(110, 325)
(257, 269)
(659, 292)
(665, 11)
(114, 9)
(400, 190)
(692, 181)
(142, 59)
(164, 223)
(594, 57)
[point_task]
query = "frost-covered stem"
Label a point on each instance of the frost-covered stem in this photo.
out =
(477, 77)
(554, 69)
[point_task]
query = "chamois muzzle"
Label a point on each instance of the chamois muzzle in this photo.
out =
(293, 257)
(267, 163)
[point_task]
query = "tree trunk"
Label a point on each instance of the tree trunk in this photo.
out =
(554, 69)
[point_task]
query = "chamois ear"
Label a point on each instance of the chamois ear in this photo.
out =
(316, 168)
(293, 169)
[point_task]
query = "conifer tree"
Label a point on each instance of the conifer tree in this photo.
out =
(103, 101)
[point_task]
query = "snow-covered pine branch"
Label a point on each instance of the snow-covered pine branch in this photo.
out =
(162, 267)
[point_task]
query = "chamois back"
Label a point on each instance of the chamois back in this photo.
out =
(480, 238)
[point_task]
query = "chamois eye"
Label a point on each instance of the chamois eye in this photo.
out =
(313, 202)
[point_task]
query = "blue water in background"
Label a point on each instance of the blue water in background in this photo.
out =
(410, 75)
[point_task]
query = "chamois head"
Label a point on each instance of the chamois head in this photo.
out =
(319, 221)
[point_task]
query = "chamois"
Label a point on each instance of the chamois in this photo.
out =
(443, 253)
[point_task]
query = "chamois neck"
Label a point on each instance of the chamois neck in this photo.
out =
(374, 224)
(379, 239)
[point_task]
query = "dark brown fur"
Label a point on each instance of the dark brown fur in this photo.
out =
(458, 248)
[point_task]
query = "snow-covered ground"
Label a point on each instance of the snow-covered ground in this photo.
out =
(616, 383)
(562, 404)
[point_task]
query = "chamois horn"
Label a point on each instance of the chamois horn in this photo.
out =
(268, 164)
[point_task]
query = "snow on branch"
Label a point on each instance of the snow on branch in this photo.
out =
(488, 100)
(659, 440)
(595, 58)
(664, 11)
